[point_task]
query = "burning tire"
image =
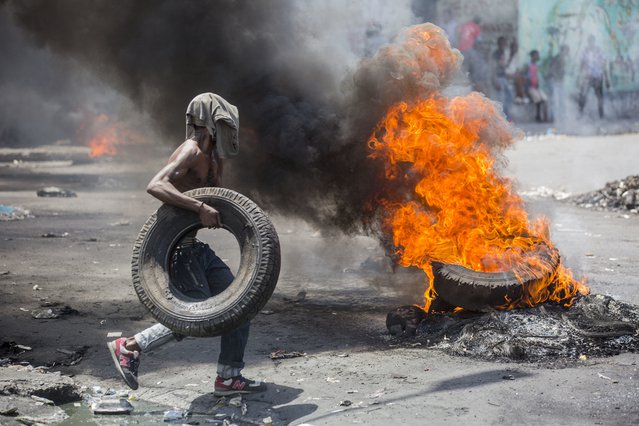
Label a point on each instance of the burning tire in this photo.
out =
(247, 294)
(484, 291)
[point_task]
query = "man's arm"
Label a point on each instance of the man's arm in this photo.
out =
(161, 187)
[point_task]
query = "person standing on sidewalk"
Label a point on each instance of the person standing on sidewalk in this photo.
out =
(211, 135)
(593, 73)
(536, 95)
(555, 80)
(502, 58)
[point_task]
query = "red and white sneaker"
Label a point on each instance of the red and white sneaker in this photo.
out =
(236, 385)
(126, 361)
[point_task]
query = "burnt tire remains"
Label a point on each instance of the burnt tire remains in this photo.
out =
(485, 291)
(254, 282)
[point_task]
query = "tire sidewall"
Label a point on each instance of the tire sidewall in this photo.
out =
(246, 295)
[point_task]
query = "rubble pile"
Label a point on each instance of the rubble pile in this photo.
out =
(617, 195)
(32, 396)
(595, 325)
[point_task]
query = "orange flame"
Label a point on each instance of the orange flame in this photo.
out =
(108, 134)
(459, 210)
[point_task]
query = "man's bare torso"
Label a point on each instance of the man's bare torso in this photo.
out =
(203, 171)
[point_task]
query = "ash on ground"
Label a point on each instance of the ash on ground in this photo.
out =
(595, 325)
(619, 195)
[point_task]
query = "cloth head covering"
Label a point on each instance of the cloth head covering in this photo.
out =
(220, 118)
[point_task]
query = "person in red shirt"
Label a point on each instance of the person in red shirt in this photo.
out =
(536, 95)
(469, 32)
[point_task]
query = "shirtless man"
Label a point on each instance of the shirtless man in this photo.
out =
(212, 125)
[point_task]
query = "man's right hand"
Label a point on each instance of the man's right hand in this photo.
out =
(209, 216)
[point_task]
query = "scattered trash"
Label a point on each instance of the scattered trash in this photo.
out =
(54, 191)
(404, 320)
(41, 400)
(343, 355)
(122, 222)
(54, 235)
(545, 192)
(345, 403)
(583, 357)
(73, 357)
(13, 348)
(236, 401)
(352, 391)
(378, 393)
(13, 213)
(508, 377)
(112, 406)
(44, 314)
(267, 312)
(603, 377)
(398, 376)
(283, 354)
(114, 334)
(176, 414)
(332, 380)
(36, 287)
(122, 393)
(267, 421)
(52, 313)
(5, 272)
(244, 409)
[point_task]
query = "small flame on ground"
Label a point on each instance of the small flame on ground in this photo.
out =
(107, 135)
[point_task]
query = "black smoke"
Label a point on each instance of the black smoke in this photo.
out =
(307, 108)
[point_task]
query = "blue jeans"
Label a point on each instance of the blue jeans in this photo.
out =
(197, 272)
(505, 95)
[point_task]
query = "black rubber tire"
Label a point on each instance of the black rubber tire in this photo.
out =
(254, 282)
(486, 291)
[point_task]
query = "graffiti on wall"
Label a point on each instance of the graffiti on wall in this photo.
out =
(611, 25)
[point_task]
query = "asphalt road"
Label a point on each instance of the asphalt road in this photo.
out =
(339, 323)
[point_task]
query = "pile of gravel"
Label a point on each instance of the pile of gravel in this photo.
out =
(617, 195)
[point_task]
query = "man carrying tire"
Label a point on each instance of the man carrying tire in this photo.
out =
(211, 135)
